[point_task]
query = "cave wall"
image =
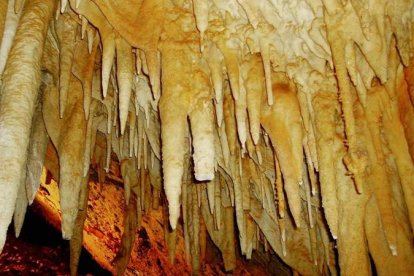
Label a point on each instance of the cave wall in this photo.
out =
(104, 225)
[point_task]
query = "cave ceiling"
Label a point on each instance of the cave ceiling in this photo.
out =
(287, 124)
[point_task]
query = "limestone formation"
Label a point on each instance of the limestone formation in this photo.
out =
(296, 116)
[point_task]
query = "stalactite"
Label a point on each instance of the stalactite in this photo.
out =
(37, 153)
(194, 230)
(88, 140)
(20, 208)
(351, 210)
(128, 236)
(202, 130)
(9, 27)
(324, 106)
(66, 30)
(77, 237)
(170, 237)
(186, 203)
(356, 157)
(71, 147)
(19, 94)
(379, 179)
(238, 202)
(296, 117)
(84, 71)
(288, 149)
(253, 81)
(124, 68)
(3, 12)
(173, 146)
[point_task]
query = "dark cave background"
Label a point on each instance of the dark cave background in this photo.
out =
(40, 250)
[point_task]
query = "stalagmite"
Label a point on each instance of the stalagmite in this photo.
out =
(18, 94)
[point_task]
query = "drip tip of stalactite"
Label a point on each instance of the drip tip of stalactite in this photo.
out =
(63, 6)
(173, 219)
(66, 235)
(204, 176)
(2, 242)
(201, 42)
(393, 249)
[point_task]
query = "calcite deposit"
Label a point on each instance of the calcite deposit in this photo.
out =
(275, 123)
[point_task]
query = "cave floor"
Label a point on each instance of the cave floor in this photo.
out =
(43, 252)
(40, 250)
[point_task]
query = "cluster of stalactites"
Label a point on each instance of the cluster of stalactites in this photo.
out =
(295, 115)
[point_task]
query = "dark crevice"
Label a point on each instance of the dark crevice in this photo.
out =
(40, 250)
